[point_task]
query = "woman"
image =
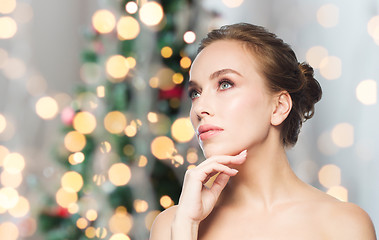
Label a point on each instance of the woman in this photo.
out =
(249, 99)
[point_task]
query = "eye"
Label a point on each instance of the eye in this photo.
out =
(224, 84)
(193, 94)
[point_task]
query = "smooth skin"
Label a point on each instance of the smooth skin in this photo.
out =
(256, 195)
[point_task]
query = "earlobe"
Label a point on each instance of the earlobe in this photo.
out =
(282, 108)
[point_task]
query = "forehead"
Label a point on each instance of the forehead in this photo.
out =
(224, 54)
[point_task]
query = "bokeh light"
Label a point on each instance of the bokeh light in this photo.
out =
(330, 175)
(163, 147)
(232, 3)
(343, 135)
(65, 198)
(131, 7)
(8, 27)
(12, 180)
(90, 232)
(165, 78)
(185, 62)
(74, 141)
(315, 55)
(91, 215)
(100, 91)
(166, 201)
(373, 28)
(119, 174)
(14, 68)
(192, 156)
(328, 15)
(81, 223)
(9, 231)
(76, 158)
(151, 13)
(14, 163)
(177, 78)
(182, 130)
(142, 162)
(21, 209)
(119, 236)
(46, 108)
(339, 192)
(115, 122)
(140, 205)
(72, 181)
(189, 37)
(128, 28)
(103, 21)
(101, 232)
(166, 52)
(117, 68)
(331, 67)
(120, 223)
(84, 122)
(131, 62)
(7, 6)
(8, 197)
(366, 92)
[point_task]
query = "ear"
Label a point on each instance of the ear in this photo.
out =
(282, 107)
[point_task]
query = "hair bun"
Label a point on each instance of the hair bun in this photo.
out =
(311, 91)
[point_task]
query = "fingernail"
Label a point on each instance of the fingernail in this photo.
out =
(243, 153)
(235, 170)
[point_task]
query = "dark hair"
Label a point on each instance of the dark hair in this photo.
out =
(281, 69)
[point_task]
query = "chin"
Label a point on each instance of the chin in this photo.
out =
(210, 151)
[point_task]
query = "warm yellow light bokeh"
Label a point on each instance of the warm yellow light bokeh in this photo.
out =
(119, 236)
(192, 156)
(21, 209)
(7, 6)
(65, 198)
(105, 147)
(315, 55)
(117, 68)
(72, 181)
(101, 232)
(152, 117)
(140, 205)
(163, 147)
(8, 27)
(115, 122)
(330, 175)
(100, 91)
(232, 3)
(331, 67)
(166, 201)
(9, 231)
(120, 223)
(131, 62)
(76, 158)
(46, 108)
(131, 7)
(12, 180)
(166, 52)
(189, 37)
(3, 123)
(343, 135)
(84, 122)
(103, 21)
(182, 130)
(339, 192)
(119, 174)
(328, 15)
(366, 92)
(151, 13)
(8, 197)
(128, 28)
(81, 223)
(91, 215)
(177, 78)
(142, 162)
(74, 141)
(165, 78)
(90, 232)
(14, 163)
(185, 62)
(131, 130)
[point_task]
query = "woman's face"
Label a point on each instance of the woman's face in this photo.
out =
(231, 105)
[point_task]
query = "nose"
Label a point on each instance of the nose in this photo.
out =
(202, 107)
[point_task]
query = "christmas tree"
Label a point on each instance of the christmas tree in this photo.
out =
(127, 139)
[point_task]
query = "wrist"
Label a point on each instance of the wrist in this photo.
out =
(183, 228)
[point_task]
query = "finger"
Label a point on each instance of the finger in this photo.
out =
(202, 173)
(219, 184)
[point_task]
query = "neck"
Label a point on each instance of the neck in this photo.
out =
(264, 180)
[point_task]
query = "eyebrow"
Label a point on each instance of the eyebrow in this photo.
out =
(217, 74)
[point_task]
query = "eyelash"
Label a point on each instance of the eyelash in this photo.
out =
(220, 82)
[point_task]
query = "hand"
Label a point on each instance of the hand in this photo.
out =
(196, 201)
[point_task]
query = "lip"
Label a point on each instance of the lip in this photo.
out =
(207, 131)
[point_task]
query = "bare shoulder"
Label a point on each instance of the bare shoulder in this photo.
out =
(161, 228)
(349, 221)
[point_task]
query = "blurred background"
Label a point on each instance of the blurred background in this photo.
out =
(94, 129)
